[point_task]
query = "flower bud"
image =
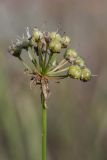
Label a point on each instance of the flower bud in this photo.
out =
(65, 41)
(55, 36)
(70, 55)
(85, 75)
(79, 61)
(37, 34)
(74, 72)
(55, 46)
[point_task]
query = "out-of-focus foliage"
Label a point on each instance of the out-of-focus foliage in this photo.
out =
(77, 113)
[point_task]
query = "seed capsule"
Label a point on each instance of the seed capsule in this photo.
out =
(85, 75)
(79, 61)
(75, 72)
(55, 36)
(37, 34)
(55, 46)
(70, 55)
(65, 41)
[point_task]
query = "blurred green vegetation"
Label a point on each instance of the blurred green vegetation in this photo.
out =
(19, 127)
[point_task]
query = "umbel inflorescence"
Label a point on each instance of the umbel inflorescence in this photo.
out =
(52, 57)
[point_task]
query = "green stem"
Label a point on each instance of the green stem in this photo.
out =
(60, 65)
(57, 72)
(44, 127)
(33, 60)
(47, 65)
(58, 77)
(40, 59)
(45, 57)
(25, 64)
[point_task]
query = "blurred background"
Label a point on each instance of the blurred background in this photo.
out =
(77, 112)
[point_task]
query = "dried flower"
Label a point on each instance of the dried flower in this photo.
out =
(15, 50)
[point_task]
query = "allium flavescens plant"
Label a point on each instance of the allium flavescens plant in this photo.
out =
(52, 59)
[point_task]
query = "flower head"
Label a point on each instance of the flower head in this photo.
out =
(43, 49)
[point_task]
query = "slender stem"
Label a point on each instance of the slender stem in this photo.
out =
(53, 77)
(52, 62)
(57, 72)
(63, 70)
(25, 64)
(60, 65)
(44, 127)
(34, 60)
(47, 65)
(44, 61)
(41, 59)
(45, 57)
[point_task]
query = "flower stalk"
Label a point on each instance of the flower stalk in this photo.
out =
(44, 127)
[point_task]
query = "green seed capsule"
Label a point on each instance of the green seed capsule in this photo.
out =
(74, 72)
(70, 55)
(55, 36)
(65, 41)
(55, 46)
(79, 61)
(37, 35)
(85, 75)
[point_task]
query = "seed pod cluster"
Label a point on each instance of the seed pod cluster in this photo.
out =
(42, 41)
(51, 41)
(78, 69)
(76, 72)
(46, 47)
